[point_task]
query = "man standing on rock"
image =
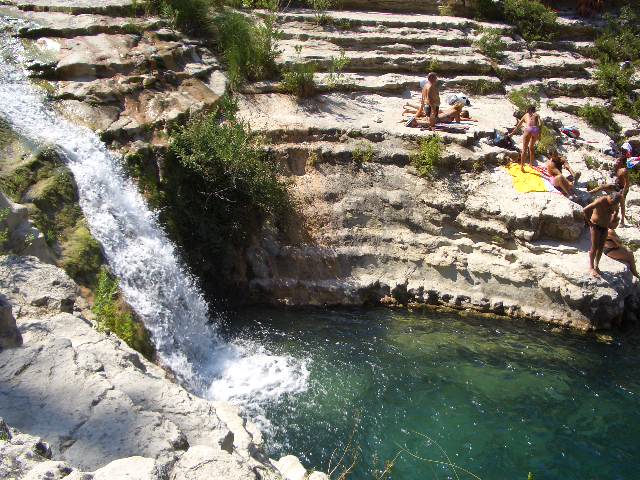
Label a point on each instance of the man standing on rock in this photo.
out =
(599, 214)
(430, 101)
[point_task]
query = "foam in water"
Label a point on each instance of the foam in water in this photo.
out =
(145, 261)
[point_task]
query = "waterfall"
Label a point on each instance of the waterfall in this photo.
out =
(152, 278)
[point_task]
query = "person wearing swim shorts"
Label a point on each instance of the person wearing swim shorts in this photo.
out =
(531, 135)
(620, 184)
(430, 101)
(614, 248)
(599, 215)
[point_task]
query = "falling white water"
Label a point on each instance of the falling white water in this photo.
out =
(152, 278)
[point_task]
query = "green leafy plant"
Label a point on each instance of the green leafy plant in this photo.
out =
(298, 79)
(592, 163)
(534, 21)
(481, 87)
(320, 8)
(548, 141)
(112, 315)
(363, 153)
(249, 49)
(491, 44)
(82, 256)
(4, 230)
(220, 187)
(600, 118)
(338, 64)
(523, 98)
(491, 10)
(190, 16)
(620, 39)
(427, 158)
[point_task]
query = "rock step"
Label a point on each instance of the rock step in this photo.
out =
(419, 6)
(63, 25)
(359, 19)
(104, 56)
(149, 110)
(366, 37)
(75, 7)
(446, 60)
(384, 83)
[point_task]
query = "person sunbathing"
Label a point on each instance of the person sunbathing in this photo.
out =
(531, 135)
(620, 184)
(455, 114)
(558, 180)
(614, 248)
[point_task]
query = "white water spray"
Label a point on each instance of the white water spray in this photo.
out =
(153, 281)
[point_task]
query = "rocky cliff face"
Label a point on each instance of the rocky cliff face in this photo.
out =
(374, 230)
(465, 238)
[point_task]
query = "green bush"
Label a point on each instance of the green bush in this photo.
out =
(548, 141)
(112, 315)
(4, 230)
(363, 153)
(523, 98)
(298, 80)
(249, 49)
(620, 39)
(272, 5)
(220, 187)
(534, 21)
(320, 8)
(427, 158)
(489, 10)
(82, 256)
(190, 16)
(601, 119)
(491, 44)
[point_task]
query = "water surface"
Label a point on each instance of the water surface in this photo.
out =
(501, 398)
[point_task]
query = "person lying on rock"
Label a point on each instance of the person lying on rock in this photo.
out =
(558, 180)
(531, 135)
(453, 115)
(620, 184)
(613, 248)
(599, 215)
(430, 100)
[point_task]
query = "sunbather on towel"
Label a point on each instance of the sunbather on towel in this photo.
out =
(558, 180)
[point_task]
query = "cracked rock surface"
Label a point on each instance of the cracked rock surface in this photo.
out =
(97, 401)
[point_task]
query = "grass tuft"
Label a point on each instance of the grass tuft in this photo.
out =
(534, 20)
(600, 118)
(491, 44)
(114, 316)
(427, 158)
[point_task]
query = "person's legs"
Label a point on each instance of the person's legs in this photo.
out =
(624, 255)
(562, 184)
(600, 247)
(532, 148)
(596, 243)
(525, 147)
(623, 201)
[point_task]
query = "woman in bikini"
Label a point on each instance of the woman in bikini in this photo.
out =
(558, 180)
(613, 248)
(531, 135)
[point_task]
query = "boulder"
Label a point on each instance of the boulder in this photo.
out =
(9, 333)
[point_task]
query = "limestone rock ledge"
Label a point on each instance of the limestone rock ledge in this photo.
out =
(102, 407)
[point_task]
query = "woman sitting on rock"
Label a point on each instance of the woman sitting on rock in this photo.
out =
(531, 135)
(613, 247)
(558, 180)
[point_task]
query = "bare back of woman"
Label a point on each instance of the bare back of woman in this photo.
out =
(532, 130)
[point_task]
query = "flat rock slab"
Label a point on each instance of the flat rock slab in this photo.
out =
(58, 24)
(105, 7)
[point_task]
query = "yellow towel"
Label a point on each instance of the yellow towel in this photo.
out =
(528, 181)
